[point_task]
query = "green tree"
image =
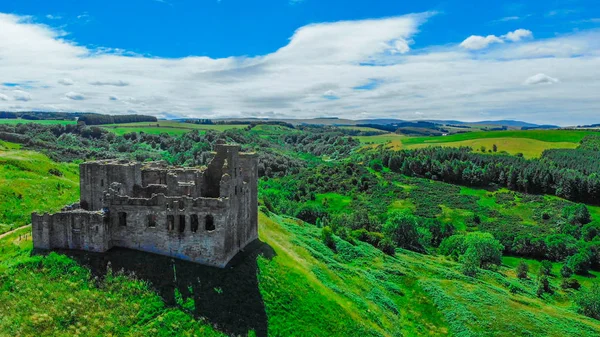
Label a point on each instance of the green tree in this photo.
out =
(588, 301)
(566, 271)
(546, 267)
(579, 263)
(327, 237)
(494, 148)
(522, 269)
(470, 262)
(401, 228)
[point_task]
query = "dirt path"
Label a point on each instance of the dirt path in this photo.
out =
(14, 230)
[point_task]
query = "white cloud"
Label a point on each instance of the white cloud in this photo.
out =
(476, 42)
(3, 97)
(66, 81)
(53, 17)
(509, 18)
(20, 95)
(74, 96)
(540, 79)
(118, 83)
(443, 81)
(518, 35)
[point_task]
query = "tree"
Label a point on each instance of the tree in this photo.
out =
(522, 270)
(565, 271)
(588, 301)
(401, 228)
(546, 267)
(470, 262)
(579, 263)
(327, 237)
(494, 148)
(543, 285)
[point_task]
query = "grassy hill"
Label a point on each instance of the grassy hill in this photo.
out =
(289, 283)
(305, 289)
(29, 181)
(170, 127)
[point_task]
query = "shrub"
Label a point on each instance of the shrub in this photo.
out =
(570, 283)
(387, 246)
(579, 263)
(55, 172)
(565, 271)
(543, 285)
(401, 228)
(522, 270)
(327, 237)
(470, 262)
(588, 302)
(546, 267)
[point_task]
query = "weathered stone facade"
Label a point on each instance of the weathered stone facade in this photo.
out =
(201, 215)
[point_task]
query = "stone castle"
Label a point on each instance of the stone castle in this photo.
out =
(200, 215)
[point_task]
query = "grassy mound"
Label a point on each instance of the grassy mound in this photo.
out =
(30, 181)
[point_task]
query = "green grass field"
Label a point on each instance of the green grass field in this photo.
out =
(27, 184)
(43, 122)
(170, 127)
(530, 143)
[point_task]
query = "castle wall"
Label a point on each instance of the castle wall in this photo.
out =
(205, 216)
(163, 225)
(96, 177)
(71, 230)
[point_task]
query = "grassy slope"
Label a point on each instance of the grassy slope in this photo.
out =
(170, 127)
(26, 185)
(307, 290)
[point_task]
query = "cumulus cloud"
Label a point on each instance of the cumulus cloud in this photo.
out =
(118, 83)
(518, 35)
(74, 96)
(540, 79)
(3, 97)
(20, 95)
(66, 81)
(442, 81)
(476, 42)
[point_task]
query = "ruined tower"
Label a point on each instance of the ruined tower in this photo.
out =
(202, 215)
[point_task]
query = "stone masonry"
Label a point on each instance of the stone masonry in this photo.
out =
(200, 215)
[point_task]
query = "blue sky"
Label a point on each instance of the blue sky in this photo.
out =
(359, 59)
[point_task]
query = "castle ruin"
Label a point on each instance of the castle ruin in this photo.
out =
(200, 215)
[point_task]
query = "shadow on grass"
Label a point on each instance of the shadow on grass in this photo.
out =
(227, 298)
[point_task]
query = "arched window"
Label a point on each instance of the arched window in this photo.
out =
(194, 223)
(209, 223)
(181, 223)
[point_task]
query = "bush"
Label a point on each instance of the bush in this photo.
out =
(588, 302)
(470, 262)
(522, 270)
(565, 271)
(55, 172)
(570, 283)
(543, 285)
(579, 263)
(387, 246)
(401, 228)
(546, 267)
(327, 237)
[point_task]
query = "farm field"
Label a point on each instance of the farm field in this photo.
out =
(43, 121)
(170, 127)
(530, 143)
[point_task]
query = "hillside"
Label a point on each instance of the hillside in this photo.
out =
(29, 181)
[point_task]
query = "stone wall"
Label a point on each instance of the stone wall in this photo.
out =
(205, 216)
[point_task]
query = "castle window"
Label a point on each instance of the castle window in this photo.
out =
(194, 223)
(209, 223)
(181, 223)
(151, 220)
(122, 219)
(170, 222)
(102, 182)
